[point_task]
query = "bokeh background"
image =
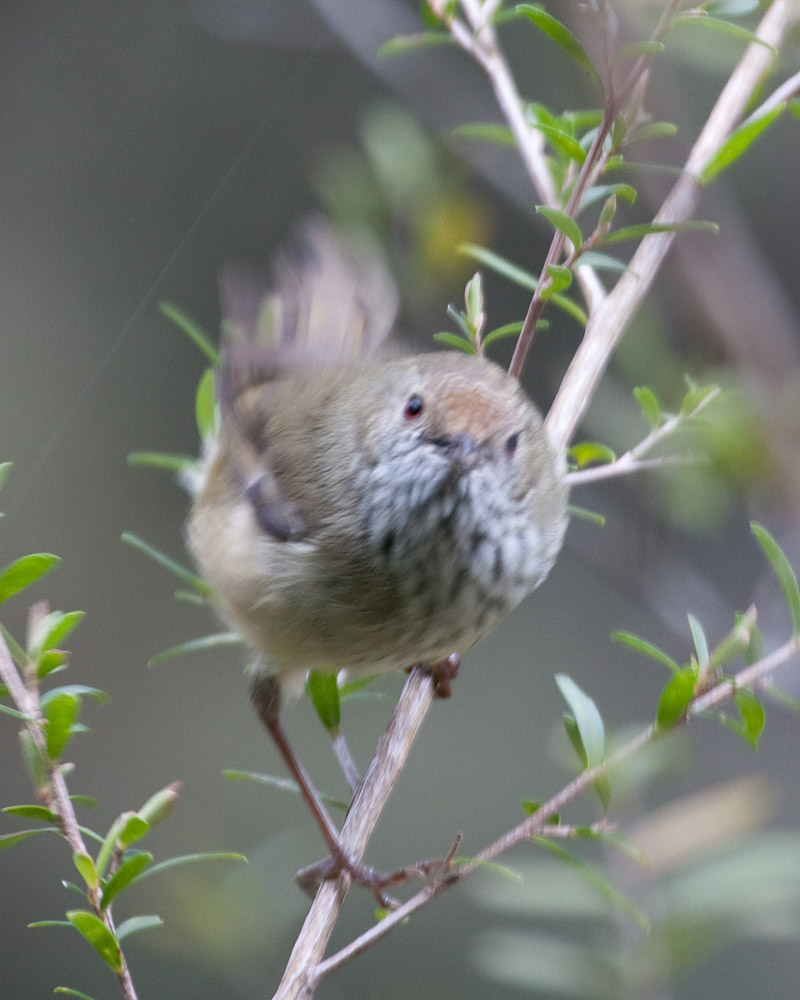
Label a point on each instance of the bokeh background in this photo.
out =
(146, 144)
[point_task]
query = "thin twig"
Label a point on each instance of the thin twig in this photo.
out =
(608, 323)
(537, 825)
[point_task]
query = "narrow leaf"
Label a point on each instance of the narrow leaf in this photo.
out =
(586, 515)
(724, 27)
(124, 875)
(324, 693)
(194, 646)
(501, 135)
(135, 924)
(86, 869)
(653, 130)
(205, 405)
(752, 715)
(601, 262)
(25, 571)
(9, 839)
(409, 43)
(189, 578)
(587, 718)
(737, 143)
(61, 713)
(70, 992)
(98, 936)
(562, 142)
(648, 401)
(186, 859)
(646, 648)
(676, 697)
(32, 812)
(5, 468)
(500, 265)
(507, 330)
(588, 452)
(648, 228)
(563, 223)
(595, 879)
(285, 784)
(560, 280)
(782, 569)
(561, 35)
(699, 639)
(160, 460)
(193, 331)
(75, 691)
(455, 341)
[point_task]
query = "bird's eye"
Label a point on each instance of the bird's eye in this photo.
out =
(413, 407)
(511, 443)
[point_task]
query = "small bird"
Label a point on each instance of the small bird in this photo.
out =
(361, 511)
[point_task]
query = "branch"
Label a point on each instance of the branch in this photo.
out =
(608, 323)
(55, 793)
(537, 824)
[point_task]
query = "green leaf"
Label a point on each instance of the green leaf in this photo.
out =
(5, 468)
(501, 135)
(161, 460)
(75, 690)
(51, 630)
(187, 859)
(9, 839)
(98, 936)
(124, 875)
(205, 405)
(724, 27)
(782, 569)
(737, 143)
(160, 805)
(454, 340)
(324, 693)
(626, 53)
(561, 35)
(409, 43)
(66, 989)
(562, 142)
(194, 646)
(793, 704)
(645, 648)
(695, 397)
(473, 300)
(648, 228)
(135, 924)
(35, 762)
(648, 401)
(699, 639)
(193, 331)
(595, 880)
(6, 710)
(285, 784)
(676, 697)
(731, 8)
(500, 265)
(133, 828)
(86, 869)
(507, 330)
(588, 720)
(32, 812)
(752, 714)
(653, 130)
(586, 515)
(189, 578)
(588, 452)
(561, 279)
(563, 223)
(599, 192)
(601, 262)
(25, 571)
(61, 713)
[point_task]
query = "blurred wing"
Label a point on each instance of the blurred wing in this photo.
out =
(333, 305)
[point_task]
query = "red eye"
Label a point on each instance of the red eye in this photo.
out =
(413, 407)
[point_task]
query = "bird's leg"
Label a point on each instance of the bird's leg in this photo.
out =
(265, 694)
(442, 674)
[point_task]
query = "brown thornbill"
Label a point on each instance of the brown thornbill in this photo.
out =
(359, 512)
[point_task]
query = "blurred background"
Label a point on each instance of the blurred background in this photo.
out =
(144, 145)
